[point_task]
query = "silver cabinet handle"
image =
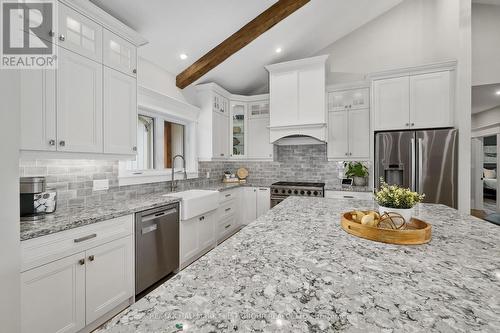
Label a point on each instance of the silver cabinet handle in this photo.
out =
(412, 124)
(134, 71)
(82, 239)
(134, 148)
(91, 258)
(228, 195)
(350, 154)
(221, 154)
(228, 209)
(202, 218)
(227, 226)
(62, 143)
(52, 142)
(62, 38)
(407, 124)
(346, 154)
(81, 261)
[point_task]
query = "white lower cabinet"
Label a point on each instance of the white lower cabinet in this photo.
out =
(256, 201)
(109, 276)
(53, 297)
(197, 236)
(90, 273)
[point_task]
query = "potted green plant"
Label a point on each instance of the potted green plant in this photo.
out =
(395, 199)
(357, 171)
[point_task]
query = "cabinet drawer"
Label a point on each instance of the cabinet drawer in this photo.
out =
(348, 195)
(226, 196)
(226, 209)
(39, 251)
(226, 226)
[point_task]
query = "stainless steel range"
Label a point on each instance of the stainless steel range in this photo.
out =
(281, 190)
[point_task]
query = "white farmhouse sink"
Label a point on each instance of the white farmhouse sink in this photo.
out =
(196, 202)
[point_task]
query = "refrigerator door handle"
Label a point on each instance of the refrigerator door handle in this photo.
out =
(420, 165)
(412, 164)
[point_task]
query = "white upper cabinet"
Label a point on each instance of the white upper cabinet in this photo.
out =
(430, 100)
(220, 104)
(119, 53)
(38, 109)
(284, 101)
(120, 113)
(239, 129)
(338, 139)
(415, 100)
(258, 139)
(349, 99)
(79, 104)
(79, 34)
(391, 106)
(359, 134)
(220, 135)
(258, 109)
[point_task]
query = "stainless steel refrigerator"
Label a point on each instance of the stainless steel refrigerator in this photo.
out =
(425, 161)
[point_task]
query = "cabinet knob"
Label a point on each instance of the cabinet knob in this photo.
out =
(407, 124)
(202, 218)
(62, 38)
(81, 262)
(221, 154)
(62, 143)
(52, 33)
(346, 154)
(91, 258)
(134, 71)
(412, 124)
(52, 142)
(134, 148)
(350, 154)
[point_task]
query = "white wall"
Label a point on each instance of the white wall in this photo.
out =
(9, 197)
(413, 33)
(485, 44)
(156, 78)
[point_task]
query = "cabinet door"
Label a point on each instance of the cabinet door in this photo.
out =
(38, 110)
(284, 98)
(338, 100)
(206, 229)
(79, 104)
(259, 145)
(249, 205)
(79, 34)
(120, 112)
(359, 133)
(109, 276)
(263, 200)
(238, 131)
(119, 54)
(53, 297)
(220, 135)
(391, 103)
(359, 99)
(338, 128)
(430, 96)
(189, 243)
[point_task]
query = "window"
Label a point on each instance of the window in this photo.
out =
(145, 144)
(173, 144)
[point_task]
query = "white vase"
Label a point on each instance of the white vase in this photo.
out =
(407, 214)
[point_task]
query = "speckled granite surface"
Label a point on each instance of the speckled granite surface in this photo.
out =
(79, 216)
(296, 270)
(75, 217)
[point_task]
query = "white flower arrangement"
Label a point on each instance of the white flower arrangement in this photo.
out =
(393, 196)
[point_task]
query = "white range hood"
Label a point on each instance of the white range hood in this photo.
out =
(297, 101)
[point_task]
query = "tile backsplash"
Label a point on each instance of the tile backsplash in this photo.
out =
(73, 179)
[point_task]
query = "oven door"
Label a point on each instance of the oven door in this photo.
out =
(276, 200)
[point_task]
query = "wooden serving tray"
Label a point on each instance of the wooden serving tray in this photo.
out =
(417, 232)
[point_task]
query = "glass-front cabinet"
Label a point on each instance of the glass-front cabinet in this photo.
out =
(238, 130)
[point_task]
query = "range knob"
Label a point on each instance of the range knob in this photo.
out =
(276, 191)
(289, 191)
(295, 192)
(315, 193)
(302, 192)
(283, 191)
(308, 192)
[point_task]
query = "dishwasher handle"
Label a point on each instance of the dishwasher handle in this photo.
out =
(159, 214)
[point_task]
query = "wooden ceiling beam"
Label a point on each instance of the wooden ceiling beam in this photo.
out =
(259, 25)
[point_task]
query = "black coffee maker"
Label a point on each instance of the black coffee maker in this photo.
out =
(30, 187)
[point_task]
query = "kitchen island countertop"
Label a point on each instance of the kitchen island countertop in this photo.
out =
(296, 270)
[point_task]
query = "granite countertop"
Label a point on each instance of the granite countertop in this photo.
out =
(296, 270)
(75, 217)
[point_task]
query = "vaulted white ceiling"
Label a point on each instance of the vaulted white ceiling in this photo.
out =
(194, 27)
(485, 97)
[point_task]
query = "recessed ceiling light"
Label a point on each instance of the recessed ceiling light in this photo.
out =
(183, 56)
(498, 92)
(279, 49)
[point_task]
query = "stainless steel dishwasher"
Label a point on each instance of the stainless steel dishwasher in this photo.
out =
(156, 245)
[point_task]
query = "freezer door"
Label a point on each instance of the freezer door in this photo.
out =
(395, 158)
(437, 166)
